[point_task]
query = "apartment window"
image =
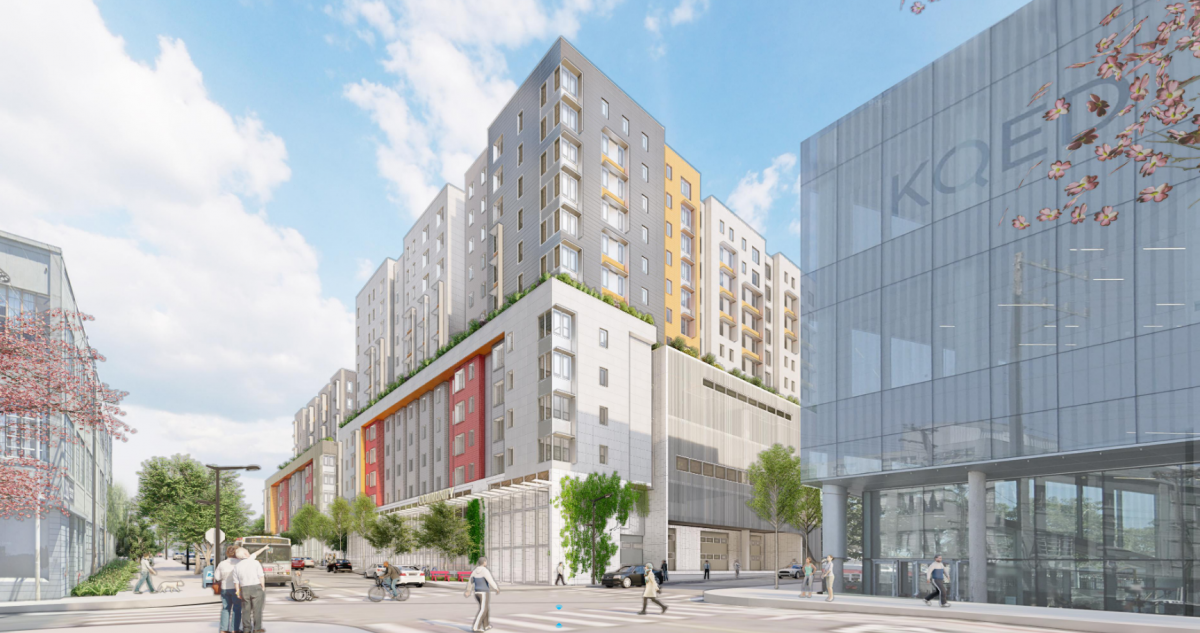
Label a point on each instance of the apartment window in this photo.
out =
(470, 372)
(743, 243)
(603, 416)
(646, 266)
(645, 142)
(603, 454)
(545, 120)
(520, 215)
(670, 174)
(645, 235)
(510, 380)
(754, 255)
(670, 316)
(543, 102)
(722, 231)
(511, 341)
(498, 392)
(459, 380)
(670, 230)
(731, 234)
(645, 173)
(603, 338)
(509, 456)
(670, 258)
(685, 268)
(471, 190)
(670, 201)
(670, 287)
(625, 125)
(471, 404)
(521, 282)
(459, 412)
(520, 186)
(685, 217)
(685, 245)
(603, 377)
(685, 188)
(497, 149)
(604, 108)
(460, 444)
(520, 252)
(520, 121)
(754, 277)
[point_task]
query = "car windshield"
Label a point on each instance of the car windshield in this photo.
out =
(624, 569)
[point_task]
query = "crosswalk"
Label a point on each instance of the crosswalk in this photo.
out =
(194, 613)
(345, 595)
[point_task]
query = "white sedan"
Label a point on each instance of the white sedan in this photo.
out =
(410, 575)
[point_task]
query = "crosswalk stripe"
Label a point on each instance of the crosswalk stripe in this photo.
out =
(631, 611)
(528, 625)
(559, 618)
(709, 609)
(618, 618)
(389, 627)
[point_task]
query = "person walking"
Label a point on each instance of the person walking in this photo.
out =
(251, 586)
(481, 584)
(560, 578)
(737, 568)
(650, 594)
(231, 606)
(664, 571)
(147, 571)
(810, 572)
(827, 576)
(391, 575)
(706, 570)
(935, 574)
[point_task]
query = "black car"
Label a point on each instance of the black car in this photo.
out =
(629, 576)
(340, 564)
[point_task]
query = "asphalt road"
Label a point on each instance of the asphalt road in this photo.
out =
(342, 600)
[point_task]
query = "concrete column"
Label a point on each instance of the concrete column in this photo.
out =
(977, 535)
(744, 549)
(833, 527)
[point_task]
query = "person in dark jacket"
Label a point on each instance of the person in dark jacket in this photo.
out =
(391, 575)
(706, 570)
(482, 584)
(664, 571)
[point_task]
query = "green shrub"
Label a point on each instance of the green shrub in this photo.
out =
(112, 578)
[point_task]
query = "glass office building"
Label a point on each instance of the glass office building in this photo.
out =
(1024, 403)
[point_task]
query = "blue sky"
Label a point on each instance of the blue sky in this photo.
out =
(221, 175)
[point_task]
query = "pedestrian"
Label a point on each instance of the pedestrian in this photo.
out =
(664, 571)
(560, 578)
(251, 586)
(810, 571)
(147, 571)
(481, 584)
(650, 594)
(231, 606)
(935, 574)
(827, 576)
(737, 568)
(706, 570)
(391, 575)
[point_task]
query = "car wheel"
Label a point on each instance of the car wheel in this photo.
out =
(627, 582)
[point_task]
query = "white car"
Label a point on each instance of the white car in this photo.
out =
(375, 571)
(410, 575)
(309, 562)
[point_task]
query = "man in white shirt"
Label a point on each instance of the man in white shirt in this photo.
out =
(251, 585)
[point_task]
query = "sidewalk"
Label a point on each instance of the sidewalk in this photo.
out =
(168, 570)
(1040, 617)
(683, 577)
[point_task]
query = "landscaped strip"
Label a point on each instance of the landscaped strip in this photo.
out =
(111, 578)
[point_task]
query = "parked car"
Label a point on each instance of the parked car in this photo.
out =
(297, 563)
(178, 556)
(376, 571)
(309, 562)
(795, 570)
(337, 565)
(629, 576)
(410, 575)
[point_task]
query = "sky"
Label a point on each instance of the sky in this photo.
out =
(222, 176)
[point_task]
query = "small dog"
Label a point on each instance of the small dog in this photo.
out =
(171, 585)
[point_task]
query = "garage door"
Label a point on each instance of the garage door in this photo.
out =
(714, 548)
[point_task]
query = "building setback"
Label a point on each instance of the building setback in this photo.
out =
(1021, 403)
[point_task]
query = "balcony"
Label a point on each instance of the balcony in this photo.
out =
(751, 308)
(752, 332)
(611, 195)
(732, 272)
(746, 352)
(604, 158)
(788, 311)
(614, 264)
(614, 295)
(729, 293)
(728, 318)
(790, 334)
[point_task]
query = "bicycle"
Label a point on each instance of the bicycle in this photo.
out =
(380, 591)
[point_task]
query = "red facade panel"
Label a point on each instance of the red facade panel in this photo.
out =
(373, 461)
(283, 505)
(473, 427)
(308, 483)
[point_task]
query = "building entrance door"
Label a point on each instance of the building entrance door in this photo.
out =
(714, 548)
(885, 578)
(756, 552)
(912, 579)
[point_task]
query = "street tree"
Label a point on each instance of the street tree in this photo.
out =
(444, 529)
(308, 523)
(339, 526)
(807, 515)
(478, 528)
(47, 377)
(775, 490)
(393, 534)
(587, 506)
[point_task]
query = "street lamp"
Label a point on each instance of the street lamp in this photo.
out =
(594, 533)
(217, 503)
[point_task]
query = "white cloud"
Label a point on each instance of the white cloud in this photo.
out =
(653, 24)
(794, 227)
(364, 268)
(756, 192)
(684, 12)
(450, 80)
(687, 11)
(204, 306)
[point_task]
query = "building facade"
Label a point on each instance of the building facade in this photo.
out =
(44, 558)
(375, 323)
(311, 478)
(319, 419)
(1019, 402)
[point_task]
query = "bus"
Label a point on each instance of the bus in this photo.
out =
(276, 559)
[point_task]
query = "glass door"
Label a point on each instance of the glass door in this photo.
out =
(885, 577)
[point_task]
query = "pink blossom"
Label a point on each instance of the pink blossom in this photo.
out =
(1040, 91)
(1170, 94)
(1079, 214)
(917, 8)
(1176, 8)
(1097, 105)
(1172, 115)
(1048, 214)
(1110, 67)
(1106, 152)
(1059, 169)
(1079, 65)
(1105, 43)
(1137, 89)
(1086, 137)
(1157, 194)
(1139, 153)
(1126, 110)
(1111, 15)
(1155, 161)
(1105, 216)
(1061, 107)
(1086, 184)
(1020, 224)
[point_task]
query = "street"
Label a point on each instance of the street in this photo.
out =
(342, 600)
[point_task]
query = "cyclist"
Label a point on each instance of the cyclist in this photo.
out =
(391, 575)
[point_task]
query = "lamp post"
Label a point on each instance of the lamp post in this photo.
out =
(217, 536)
(594, 501)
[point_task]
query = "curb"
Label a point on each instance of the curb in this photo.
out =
(106, 603)
(1051, 618)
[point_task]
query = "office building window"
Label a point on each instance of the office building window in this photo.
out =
(603, 454)
(603, 416)
(625, 125)
(603, 338)
(603, 377)
(604, 108)
(646, 266)
(645, 204)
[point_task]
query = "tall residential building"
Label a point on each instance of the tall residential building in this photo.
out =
(74, 545)
(319, 419)
(1020, 402)
(575, 180)
(310, 478)
(750, 299)
(375, 326)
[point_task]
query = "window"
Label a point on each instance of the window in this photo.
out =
(603, 415)
(520, 252)
(459, 412)
(471, 404)
(611, 281)
(520, 186)
(520, 121)
(685, 245)
(670, 316)
(613, 150)
(459, 380)
(458, 476)
(754, 277)
(570, 118)
(645, 142)
(685, 271)
(470, 372)
(562, 365)
(670, 258)
(743, 243)
(670, 174)
(614, 216)
(497, 149)
(670, 230)
(731, 234)
(670, 201)
(645, 235)
(754, 255)
(604, 108)
(685, 188)
(570, 82)
(670, 287)
(460, 445)
(603, 338)
(645, 296)
(603, 454)
(646, 266)
(498, 392)
(603, 377)
(685, 217)
(510, 381)
(722, 231)
(625, 125)
(645, 173)
(509, 456)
